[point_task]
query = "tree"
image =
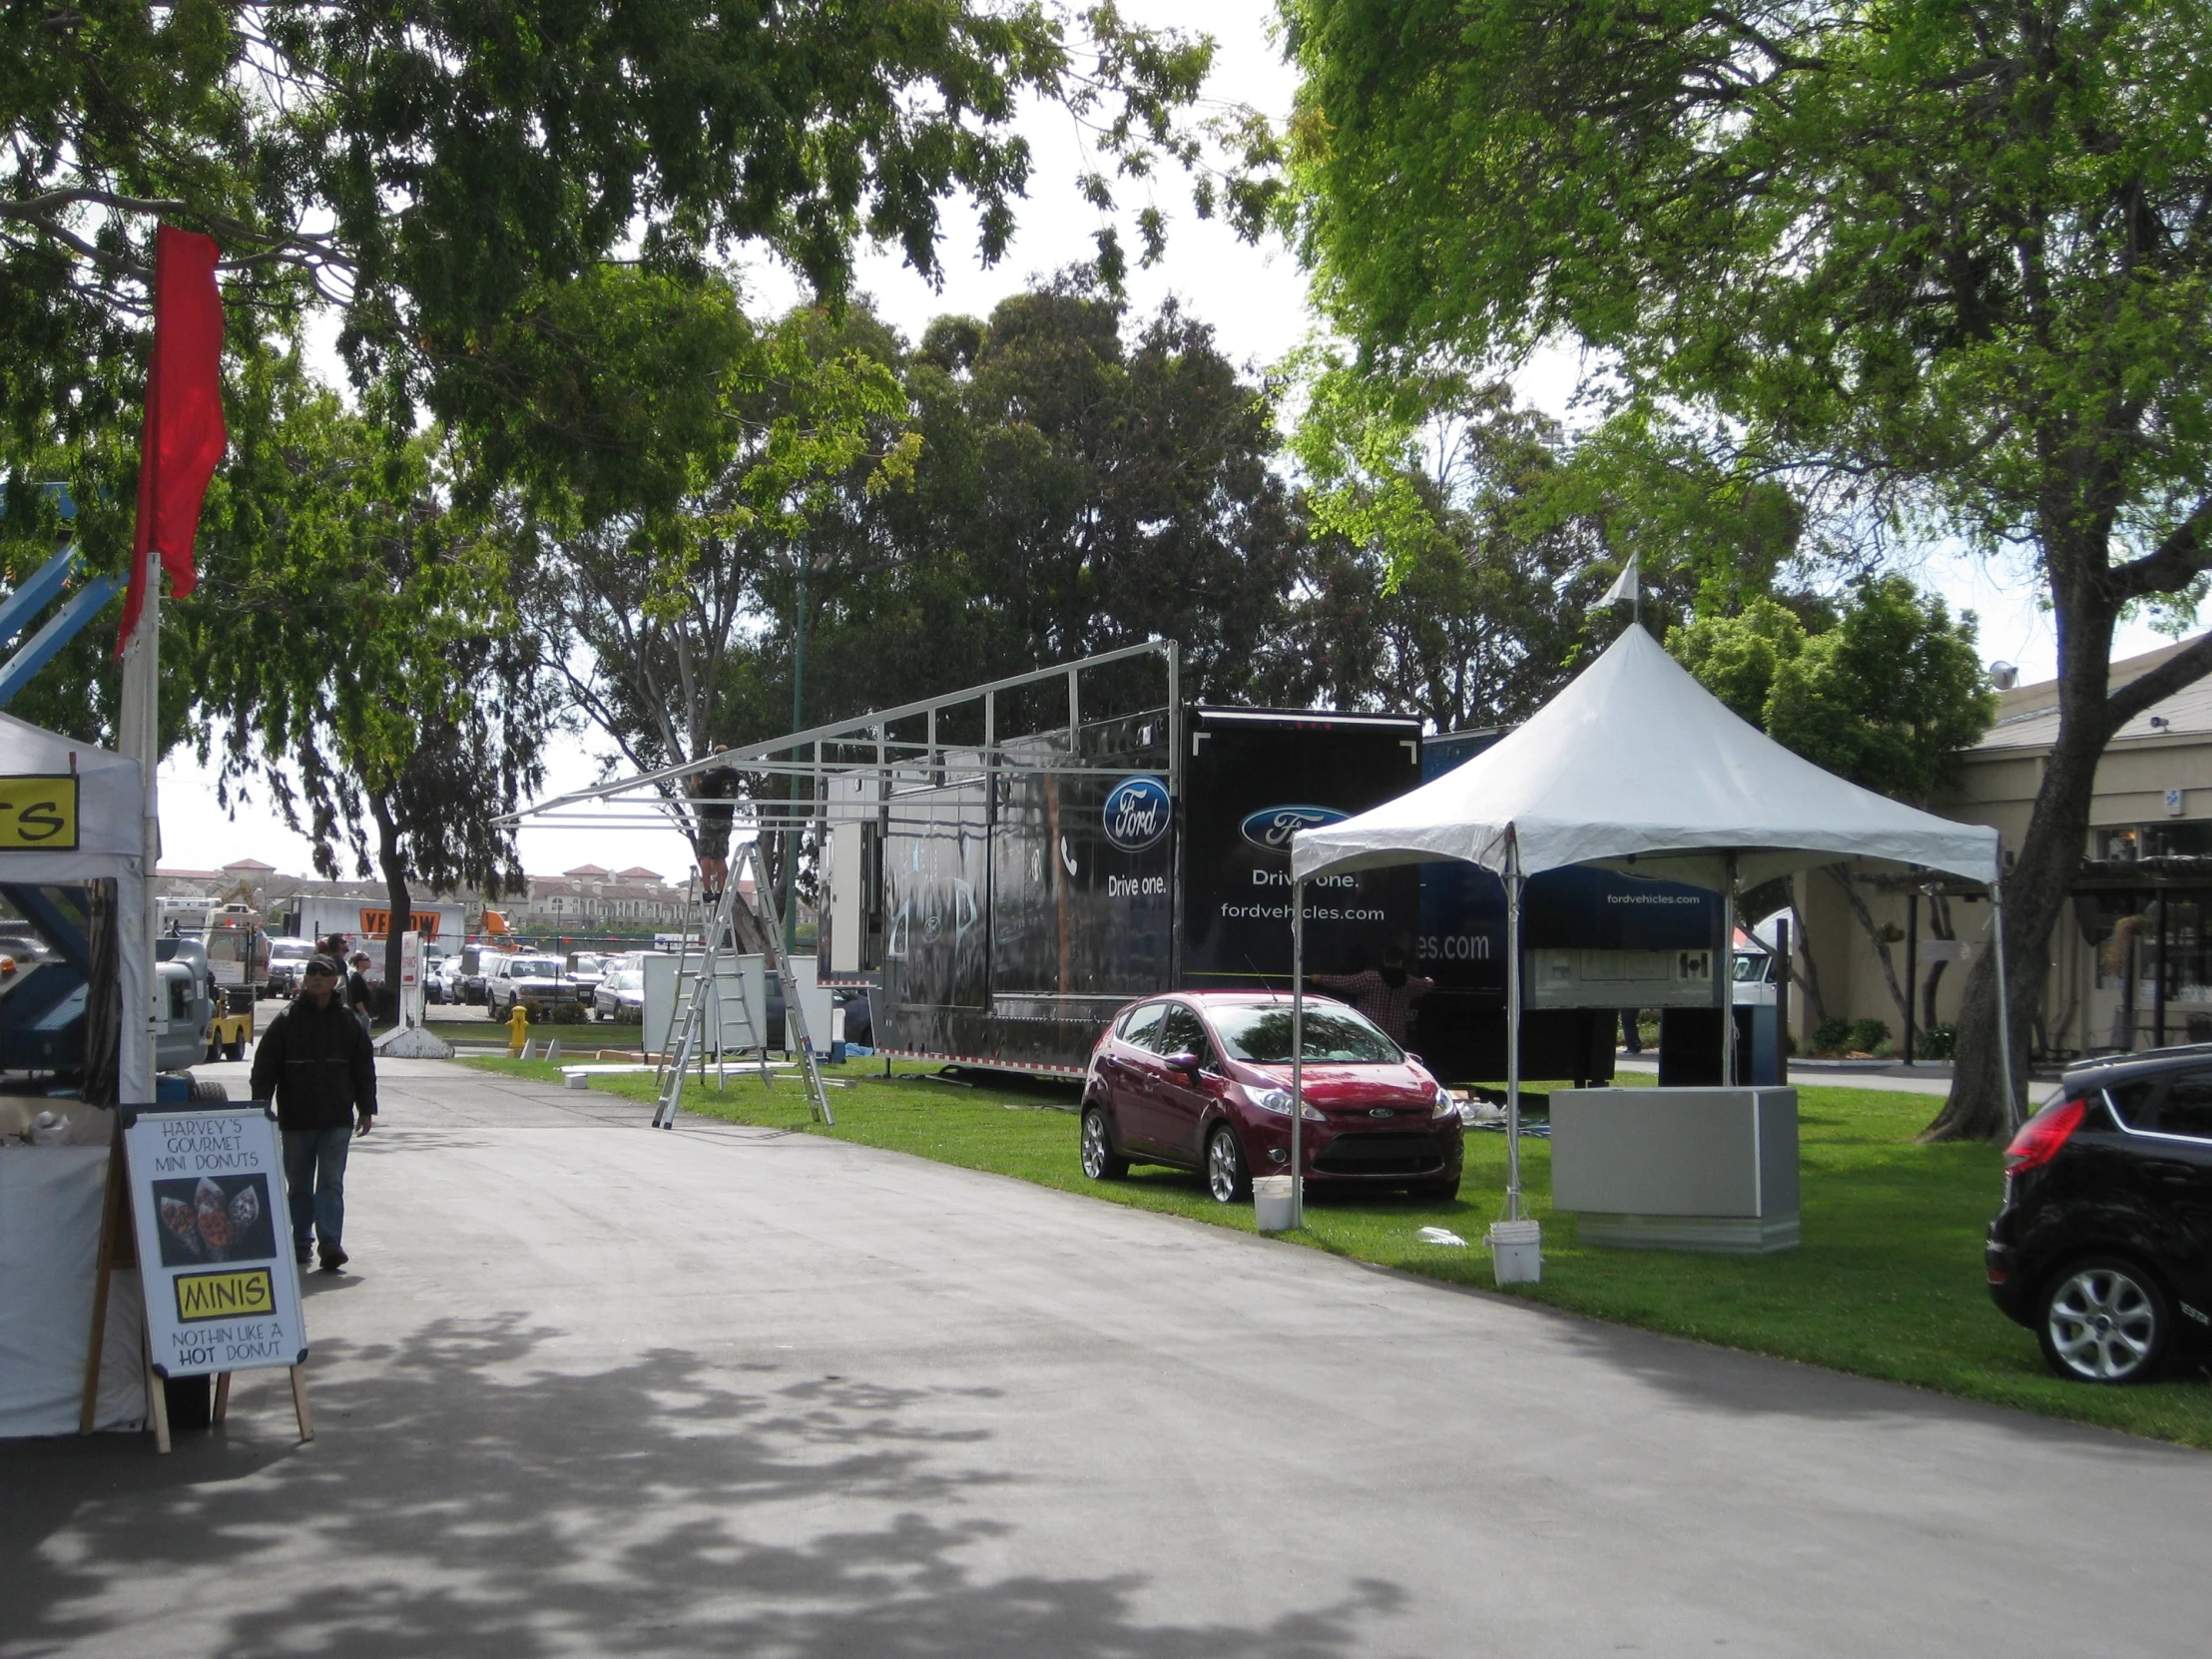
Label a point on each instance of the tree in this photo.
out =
(424, 165)
(1958, 253)
(715, 450)
(1887, 697)
(351, 644)
(1441, 577)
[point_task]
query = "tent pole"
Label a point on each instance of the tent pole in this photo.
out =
(1512, 1028)
(1297, 1052)
(1727, 972)
(2004, 997)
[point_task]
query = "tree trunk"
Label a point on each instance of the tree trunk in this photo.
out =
(1864, 918)
(2036, 884)
(396, 898)
(1816, 1006)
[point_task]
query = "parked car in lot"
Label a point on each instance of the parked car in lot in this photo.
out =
(539, 984)
(285, 958)
(1202, 1081)
(2103, 1247)
(620, 995)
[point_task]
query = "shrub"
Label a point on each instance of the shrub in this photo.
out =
(1830, 1035)
(1868, 1034)
(1938, 1042)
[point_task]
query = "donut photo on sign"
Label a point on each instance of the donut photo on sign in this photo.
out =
(215, 1218)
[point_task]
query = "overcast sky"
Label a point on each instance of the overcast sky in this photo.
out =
(1255, 299)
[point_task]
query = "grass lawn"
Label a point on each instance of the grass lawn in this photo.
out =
(1886, 1284)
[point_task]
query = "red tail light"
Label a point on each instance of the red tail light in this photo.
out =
(2043, 1135)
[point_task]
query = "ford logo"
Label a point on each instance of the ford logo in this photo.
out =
(1271, 828)
(1137, 814)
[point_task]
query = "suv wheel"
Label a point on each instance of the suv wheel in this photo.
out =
(2103, 1321)
(1226, 1177)
(1100, 1162)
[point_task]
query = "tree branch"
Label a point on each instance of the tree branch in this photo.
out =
(2161, 683)
(2173, 564)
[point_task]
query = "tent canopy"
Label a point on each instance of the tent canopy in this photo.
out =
(109, 832)
(1638, 767)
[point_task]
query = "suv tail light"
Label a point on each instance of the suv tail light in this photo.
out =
(2043, 1135)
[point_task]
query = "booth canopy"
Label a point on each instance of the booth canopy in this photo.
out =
(108, 822)
(1637, 766)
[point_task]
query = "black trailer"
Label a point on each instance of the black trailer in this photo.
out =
(1001, 869)
(1000, 907)
(1001, 902)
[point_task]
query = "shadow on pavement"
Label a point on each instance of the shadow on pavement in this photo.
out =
(465, 1497)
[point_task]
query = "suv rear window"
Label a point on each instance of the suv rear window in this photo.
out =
(2177, 1104)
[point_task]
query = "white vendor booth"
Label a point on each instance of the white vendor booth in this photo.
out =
(51, 1193)
(1635, 767)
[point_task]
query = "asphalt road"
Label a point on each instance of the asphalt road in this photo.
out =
(593, 1390)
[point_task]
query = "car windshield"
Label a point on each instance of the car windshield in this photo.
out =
(1261, 1033)
(535, 967)
(623, 979)
(286, 951)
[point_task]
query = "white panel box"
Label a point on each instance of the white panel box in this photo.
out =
(1678, 1169)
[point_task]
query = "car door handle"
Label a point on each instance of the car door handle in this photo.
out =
(2173, 1175)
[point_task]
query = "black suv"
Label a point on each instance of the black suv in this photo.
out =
(2104, 1246)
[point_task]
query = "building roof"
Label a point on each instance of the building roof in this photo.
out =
(2027, 716)
(638, 873)
(249, 863)
(586, 873)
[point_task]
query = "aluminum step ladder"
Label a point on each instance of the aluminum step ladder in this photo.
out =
(719, 943)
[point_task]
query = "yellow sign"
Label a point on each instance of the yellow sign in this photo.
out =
(39, 812)
(225, 1295)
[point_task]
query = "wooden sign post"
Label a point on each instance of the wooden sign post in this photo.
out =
(204, 1191)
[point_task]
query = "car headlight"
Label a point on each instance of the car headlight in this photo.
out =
(1446, 1106)
(1277, 1101)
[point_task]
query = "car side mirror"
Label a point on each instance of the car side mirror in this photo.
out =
(1185, 1062)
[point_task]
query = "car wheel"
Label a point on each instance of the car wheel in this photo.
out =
(1226, 1176)
(2103, 1321)
(235, 1049)
(214, 1051)
(1442, 1191)
(1100, 1162)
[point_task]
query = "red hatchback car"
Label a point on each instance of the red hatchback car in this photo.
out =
(1200, 1080)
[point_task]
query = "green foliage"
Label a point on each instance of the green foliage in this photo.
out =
(1886, 696)
(1831, 1035)
(1889, 696)
(1869, 1036)
(430, 165)
(1443, 575)
(1938, 1042)
(1736, 657)
(352, 642)
(1930, 240)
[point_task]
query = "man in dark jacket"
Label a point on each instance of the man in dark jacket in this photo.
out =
(314, 1061)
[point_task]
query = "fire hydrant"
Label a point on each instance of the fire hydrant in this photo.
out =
(518, 1031)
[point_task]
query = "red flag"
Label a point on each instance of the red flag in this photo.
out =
(184, 436)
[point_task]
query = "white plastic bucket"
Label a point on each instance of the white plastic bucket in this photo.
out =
(1273, 1206)
(1516, 1252)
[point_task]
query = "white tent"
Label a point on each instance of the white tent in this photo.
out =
(1636, 767)
(107, 845)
